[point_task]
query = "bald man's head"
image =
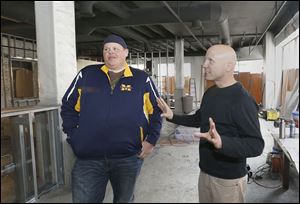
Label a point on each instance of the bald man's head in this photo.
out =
(219, 64)
(224, 52)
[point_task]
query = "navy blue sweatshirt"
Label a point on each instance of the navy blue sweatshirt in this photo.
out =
(104, 122)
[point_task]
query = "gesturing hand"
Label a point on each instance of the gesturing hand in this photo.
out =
(167, 112)
(212, 135)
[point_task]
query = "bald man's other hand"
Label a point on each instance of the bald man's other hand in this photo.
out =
(212, 135)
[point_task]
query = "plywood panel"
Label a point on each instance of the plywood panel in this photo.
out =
(186, 85)
(289, 78)
(244, 78)
(172, 85)
(256, 87)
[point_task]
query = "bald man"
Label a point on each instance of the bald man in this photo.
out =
(229, 130)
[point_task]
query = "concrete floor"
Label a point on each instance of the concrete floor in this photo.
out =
(170, 175)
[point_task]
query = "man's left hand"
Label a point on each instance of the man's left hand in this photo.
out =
(212, 135)
(146, 150)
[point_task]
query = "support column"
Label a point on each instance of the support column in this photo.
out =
(56, 50)
(179, 77)
(269, 71)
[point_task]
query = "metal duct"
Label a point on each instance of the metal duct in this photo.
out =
(185, 26)
(216, 14)
(221, 17)
(130, 33)
(225, 33)
(204, 12)
(86, 9)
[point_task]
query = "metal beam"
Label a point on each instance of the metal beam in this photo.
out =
(190, 45)
(143, 30)
(156, 30)
(112, 8)
(130, 33)
(185, 26)
(274, 17)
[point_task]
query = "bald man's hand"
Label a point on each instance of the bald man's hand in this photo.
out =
(167, 112)
(212, 135)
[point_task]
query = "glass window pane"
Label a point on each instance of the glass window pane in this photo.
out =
(43, 150)
(16, 160)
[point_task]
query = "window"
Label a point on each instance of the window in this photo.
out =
(24, 79)
(253, 66)
(19, 72)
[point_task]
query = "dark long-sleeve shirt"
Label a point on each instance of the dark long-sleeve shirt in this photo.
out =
(235, 114)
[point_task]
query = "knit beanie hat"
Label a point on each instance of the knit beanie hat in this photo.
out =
(115, 39)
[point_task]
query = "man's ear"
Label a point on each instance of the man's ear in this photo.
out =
(126, 53)
(230, 66)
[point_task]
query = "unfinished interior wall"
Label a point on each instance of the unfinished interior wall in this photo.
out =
(289, 78)
(287, 66)
(252, 82)
(197, 73)
(289, 93)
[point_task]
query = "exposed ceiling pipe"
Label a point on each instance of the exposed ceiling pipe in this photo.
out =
(185, 26)
(190, 46)
(130, 33)
(203, 12)
(225, 33)
(170, 46)
(250, 35)
(221, 17)
(8, 28)
(156, 30)
(274, 17)
(156, 47)
(143, 31)
(112, 8)
(10, 19)
(86, 9)
(23, 13)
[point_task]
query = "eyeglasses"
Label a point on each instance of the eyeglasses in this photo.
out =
(112, 49)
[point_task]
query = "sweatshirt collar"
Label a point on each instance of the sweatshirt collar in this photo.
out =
(127, 71)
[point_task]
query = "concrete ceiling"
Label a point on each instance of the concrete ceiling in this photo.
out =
(153, 25)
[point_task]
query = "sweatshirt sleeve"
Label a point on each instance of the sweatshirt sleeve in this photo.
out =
(152, 112)
(249, 141)
(70, 108)
(187, 120)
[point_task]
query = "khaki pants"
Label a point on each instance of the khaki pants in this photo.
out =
(217, 190)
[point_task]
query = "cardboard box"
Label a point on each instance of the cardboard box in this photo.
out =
(23, 83)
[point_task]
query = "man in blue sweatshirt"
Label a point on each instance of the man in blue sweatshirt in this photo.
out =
(230, 131)
(112, 121)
